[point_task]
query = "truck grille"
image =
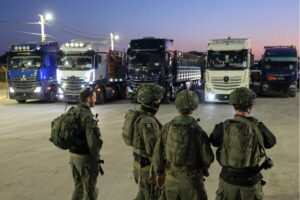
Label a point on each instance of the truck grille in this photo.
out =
(233, 82)
(72, 85)
(23, 82)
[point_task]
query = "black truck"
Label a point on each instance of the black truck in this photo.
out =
(153, 60)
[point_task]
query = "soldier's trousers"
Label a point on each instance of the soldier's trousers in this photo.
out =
(228, 191)
(147, 189)
(184, 185)
(85, 172)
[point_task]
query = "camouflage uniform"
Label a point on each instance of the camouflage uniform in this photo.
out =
(183, 153)
(147, 129)
(241, 142)
(84, 158)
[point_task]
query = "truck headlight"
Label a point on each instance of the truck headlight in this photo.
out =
(37, 89)
(211, 96)
(60, 91)
(11, 90)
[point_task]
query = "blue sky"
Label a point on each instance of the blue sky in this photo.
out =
(191, 23)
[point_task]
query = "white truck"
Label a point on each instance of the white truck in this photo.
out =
(90, 63)
(227, 67)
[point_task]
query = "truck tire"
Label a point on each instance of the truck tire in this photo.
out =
(52, 96)
(21, 101)
(101, 97)
(293, 94)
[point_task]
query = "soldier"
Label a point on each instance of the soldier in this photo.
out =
(84, 157)
(146, 131)
(241, 144)
(183, 154)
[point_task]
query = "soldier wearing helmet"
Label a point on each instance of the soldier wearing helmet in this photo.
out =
(146, 131)
(241, 145)
(183, 153)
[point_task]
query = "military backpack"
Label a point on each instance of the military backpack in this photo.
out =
(65, 129)
(181, 143)
(241, 144)
(128, 127)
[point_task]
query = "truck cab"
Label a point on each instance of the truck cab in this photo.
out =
(279, 71)
(89, 63)
(32, 71)
(154, 60)
(227, 67)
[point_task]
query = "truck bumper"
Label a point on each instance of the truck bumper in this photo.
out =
(69, 97)
(277, 90)
(27, 95)
(210, 97)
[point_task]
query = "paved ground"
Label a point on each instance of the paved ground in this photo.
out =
(32, 168)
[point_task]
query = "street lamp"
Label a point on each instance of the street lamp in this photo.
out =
(112, 38)
(44, 18)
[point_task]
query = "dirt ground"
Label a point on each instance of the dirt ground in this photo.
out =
(31, 168)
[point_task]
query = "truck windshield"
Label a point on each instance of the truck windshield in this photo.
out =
(227, 59)
(145, 59)
(28, 62)
(76, 62)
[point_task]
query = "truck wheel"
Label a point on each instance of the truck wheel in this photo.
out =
(101, 97)
(21, 101)
(293, 94)
(52, 96)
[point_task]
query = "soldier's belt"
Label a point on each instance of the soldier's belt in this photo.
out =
(144, 161)
(245, 172)
(241, 177)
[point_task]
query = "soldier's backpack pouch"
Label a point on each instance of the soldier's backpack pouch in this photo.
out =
(128, 127)
(65, 129)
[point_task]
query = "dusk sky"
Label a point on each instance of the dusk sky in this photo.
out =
(191, 23)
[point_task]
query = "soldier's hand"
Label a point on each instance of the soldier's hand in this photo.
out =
(160, 181)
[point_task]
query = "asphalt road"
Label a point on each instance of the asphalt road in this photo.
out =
(32, 168)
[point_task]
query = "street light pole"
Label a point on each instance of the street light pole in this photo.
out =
(112, 38)
(43, 18)
(112, 41)
(42, 22)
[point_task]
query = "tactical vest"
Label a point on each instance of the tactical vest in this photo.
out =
(242, 141)
(181, 143)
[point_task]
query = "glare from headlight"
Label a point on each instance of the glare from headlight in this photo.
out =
(60, 91)
(11, 90)
(211, 96)
(64, 85)
(61, 96)
(37, 89)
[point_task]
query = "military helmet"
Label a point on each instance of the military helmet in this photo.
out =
(186, 101)
(242, 97)
(149, 92)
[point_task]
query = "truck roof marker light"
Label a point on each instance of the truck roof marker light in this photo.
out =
(67, 44)
(16, 48)
(76, 44)
(80, 44)
(72, 44)
(82, 86)
(38, 48)
(111, 80)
